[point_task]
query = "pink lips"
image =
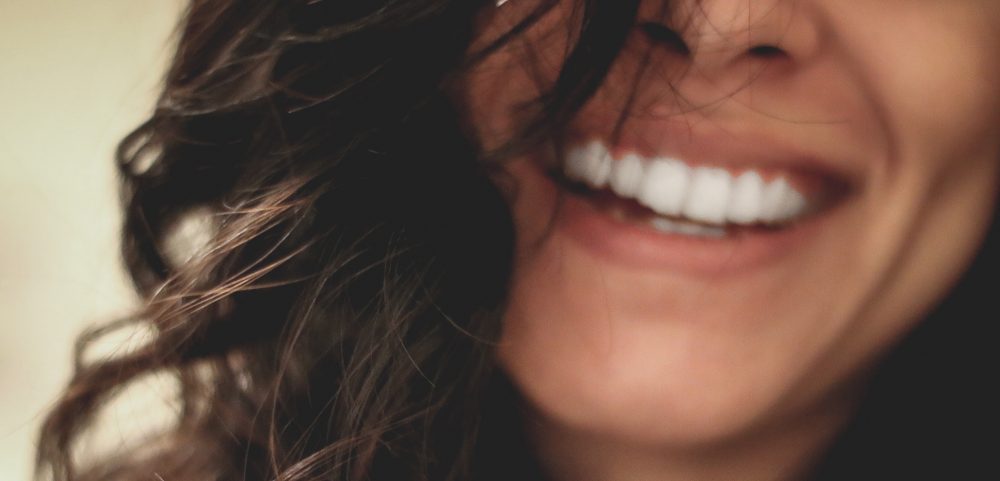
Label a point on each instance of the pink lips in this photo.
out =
(645, 248)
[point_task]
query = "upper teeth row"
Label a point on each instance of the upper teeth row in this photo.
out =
(671, 187)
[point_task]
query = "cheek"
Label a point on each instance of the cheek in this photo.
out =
(490, 96)
(942, 102)
(500, 94)
(951, 115)
(934, 79)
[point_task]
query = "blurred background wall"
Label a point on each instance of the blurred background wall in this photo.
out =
(75, 76)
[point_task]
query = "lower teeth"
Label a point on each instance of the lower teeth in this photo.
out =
(670, 226)
(686, 228)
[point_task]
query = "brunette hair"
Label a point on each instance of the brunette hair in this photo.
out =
(338, 321)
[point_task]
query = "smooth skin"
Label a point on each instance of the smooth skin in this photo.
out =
(649, 373)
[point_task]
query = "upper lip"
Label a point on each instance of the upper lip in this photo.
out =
(710, 144)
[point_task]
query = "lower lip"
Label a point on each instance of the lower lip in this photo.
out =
(640, 245)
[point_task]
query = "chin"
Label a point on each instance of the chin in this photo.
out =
(684, 377)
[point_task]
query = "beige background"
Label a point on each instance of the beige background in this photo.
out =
(75, 75)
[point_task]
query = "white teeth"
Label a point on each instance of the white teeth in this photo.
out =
(626, 176)
(663, 224)
(744, 202)
(793, 204)
(781, 202)
(709, 195)
(590, 164)
(665, 186)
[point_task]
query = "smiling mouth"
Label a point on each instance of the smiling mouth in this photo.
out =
(707, 201)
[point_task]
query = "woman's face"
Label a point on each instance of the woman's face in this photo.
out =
(840, 183)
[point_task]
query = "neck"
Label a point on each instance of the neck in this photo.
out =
(784, 452)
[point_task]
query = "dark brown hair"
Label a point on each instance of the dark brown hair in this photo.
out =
(338, 321)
